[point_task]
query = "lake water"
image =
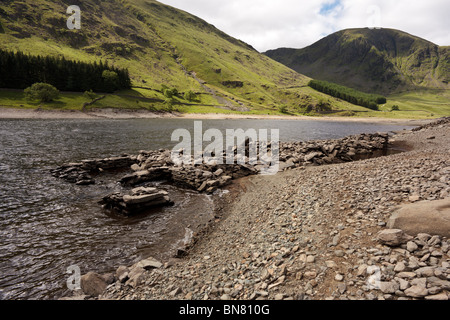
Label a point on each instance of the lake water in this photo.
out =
(47, 225)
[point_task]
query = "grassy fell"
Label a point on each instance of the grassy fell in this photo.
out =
(159, 45)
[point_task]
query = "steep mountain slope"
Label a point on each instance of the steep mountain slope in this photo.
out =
(158, 44)
(373, 60)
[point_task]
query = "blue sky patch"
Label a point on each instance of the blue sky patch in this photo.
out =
(328, 7)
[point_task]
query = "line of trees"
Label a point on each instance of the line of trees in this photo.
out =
(359, 98)
(19, 71)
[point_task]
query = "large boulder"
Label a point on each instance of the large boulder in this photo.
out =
(432, 217)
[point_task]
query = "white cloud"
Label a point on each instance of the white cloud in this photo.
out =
(269, 24)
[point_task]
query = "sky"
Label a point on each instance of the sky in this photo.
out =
(271, 24)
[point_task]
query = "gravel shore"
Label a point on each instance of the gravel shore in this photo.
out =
(112, 113)
(311, 233)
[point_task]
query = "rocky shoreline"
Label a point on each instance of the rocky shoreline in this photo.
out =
(208, 177)
(319, 236)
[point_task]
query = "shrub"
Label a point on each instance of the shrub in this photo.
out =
(173, 92)
(190, 95)
(43, 92)
(372, 105)
(170, 93)
(395, 108)
(90, 95)
(111, 80)
(283, 109)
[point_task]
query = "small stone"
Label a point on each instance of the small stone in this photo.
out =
(362, 269)
(149, 263)
(406, 274)
(310, 274)
(175, 292)
(424, 237)
(399, 267)
(413, 262)
(93, 284)
(310, 259)
(425, 272)
(335, 240)
(403, 284)
(440, 296)
(436, 253)
(389, 286)
(339, 253)
(411, 246)
(434, 240)
(434, 290)
(416, 292)
(122, 274)
(421, 282)
(425, 257)
(338, 277)
(202, 187)
(135, 277)
(434, 281)
(393, 237)
(279, 296)
(342, 287)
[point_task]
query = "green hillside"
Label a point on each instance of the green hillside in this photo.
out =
(380, 61)
(159, 45)
(162, 46)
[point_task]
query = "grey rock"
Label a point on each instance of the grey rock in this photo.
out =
(416, 292)
(399, 267)
(149, 263)
(440, 296)
(175, 292)
(431, 217)
(389, 286)
(436, 282)
(122, 274)
(393, 237)
(145, 198)
(135, 277)
(425, 272)
(403, 284)
(411, 246)
(93, 284)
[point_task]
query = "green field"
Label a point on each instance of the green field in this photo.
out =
(421, 104)
(412, 105)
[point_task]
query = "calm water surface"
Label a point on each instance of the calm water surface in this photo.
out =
(47, 225)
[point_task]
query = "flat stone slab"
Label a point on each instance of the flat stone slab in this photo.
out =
(144, 198)
(432, 217)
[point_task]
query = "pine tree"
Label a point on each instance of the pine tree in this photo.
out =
(19, 71)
